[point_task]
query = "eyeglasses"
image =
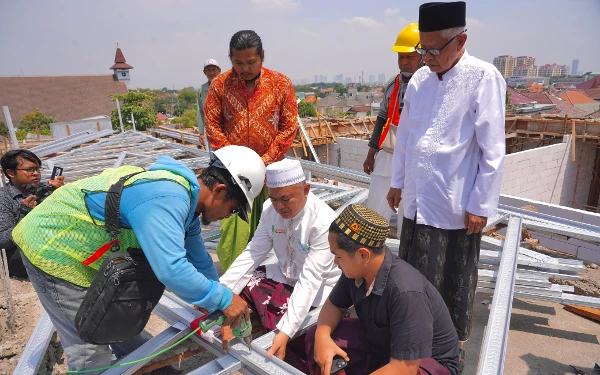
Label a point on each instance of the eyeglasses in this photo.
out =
(436, 51)
(31, 170)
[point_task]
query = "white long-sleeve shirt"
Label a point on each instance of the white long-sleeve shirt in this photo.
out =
(450, 144)
(304, 260)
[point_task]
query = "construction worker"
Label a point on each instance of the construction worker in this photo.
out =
(211, 70)
(378, 163)
(402, 326)
(21, 194)
(160, 212)
(255, 107)
(448, 160)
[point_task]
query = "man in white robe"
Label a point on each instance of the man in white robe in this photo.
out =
(448, 159)
(295, 224)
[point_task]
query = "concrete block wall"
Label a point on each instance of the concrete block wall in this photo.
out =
(348, 153)
(548, 174)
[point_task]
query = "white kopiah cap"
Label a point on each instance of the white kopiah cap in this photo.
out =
(211, 62)
(284, 173)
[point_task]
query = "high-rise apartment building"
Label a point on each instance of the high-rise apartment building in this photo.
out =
(525, 60)
(574, 67)
(525, 71)
(506, 65)
(549, 70)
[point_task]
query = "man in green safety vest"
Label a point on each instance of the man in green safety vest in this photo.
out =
(160, 212)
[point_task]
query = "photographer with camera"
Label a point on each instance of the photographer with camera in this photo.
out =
(22, 193)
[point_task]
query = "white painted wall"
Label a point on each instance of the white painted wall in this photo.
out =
(548, 174)
(545, 174)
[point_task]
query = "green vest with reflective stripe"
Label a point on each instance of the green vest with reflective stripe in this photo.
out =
(60, 233)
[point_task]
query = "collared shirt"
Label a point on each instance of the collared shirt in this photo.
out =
(450, 144)
(265, 120)
(11, 212)
(404, 316)
(202, 92)
(304, 260)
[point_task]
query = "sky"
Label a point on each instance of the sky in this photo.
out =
(167, 41)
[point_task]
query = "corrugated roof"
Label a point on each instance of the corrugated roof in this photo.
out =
(548, 97)
(593, 83)
(516, 98)
(574, 97)
(361, 108)
(65, 98)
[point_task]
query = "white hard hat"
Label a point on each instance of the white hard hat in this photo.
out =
(247, 171)
(211, 62)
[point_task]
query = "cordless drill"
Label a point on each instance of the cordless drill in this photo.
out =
(242, 331)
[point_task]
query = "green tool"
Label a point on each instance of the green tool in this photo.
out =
(242, 331)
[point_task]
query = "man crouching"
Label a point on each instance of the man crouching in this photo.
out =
(403, 325)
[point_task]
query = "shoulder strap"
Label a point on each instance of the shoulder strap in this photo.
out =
(112, 209)
(111, 219)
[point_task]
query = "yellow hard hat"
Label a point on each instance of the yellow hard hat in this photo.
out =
(407, 39)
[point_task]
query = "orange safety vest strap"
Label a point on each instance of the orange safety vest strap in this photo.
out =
(393, 116)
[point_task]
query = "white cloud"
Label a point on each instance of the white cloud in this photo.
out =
(277, 4)
(364, 22)
(308, 32)
(391, 12)
(474, 22)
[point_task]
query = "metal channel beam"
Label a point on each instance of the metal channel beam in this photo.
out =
(496, 335)
(161, 341)
(255, 360)
(31, 359)
(307, 138)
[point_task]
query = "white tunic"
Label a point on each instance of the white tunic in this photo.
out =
(304, 260)
(450, 145)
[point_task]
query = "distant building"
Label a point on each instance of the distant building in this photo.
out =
(381, 78)
(517, 81)
(525, 60)
(568, 81)
(550, 70)
(506, 65)
(66, 98)
(316, 78)
(372, 78)
(348, 80)
(121, 68)
(564, 70)
(525, 71)
(359, 110)
(574, 67)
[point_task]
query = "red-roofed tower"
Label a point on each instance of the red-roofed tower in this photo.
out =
(121, 68)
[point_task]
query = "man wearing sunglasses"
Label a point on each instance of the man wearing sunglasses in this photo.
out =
(448, 160)
(22, 168)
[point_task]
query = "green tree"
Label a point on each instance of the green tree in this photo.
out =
(187, 119)
(3, 129)
(30, 120)
(306, 110)
(187, 98)
(141, 104)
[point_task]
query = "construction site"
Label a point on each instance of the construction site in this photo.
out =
(537, 302)
(538, 293)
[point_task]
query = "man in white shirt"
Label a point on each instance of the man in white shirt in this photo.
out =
(295, 224)
(448, 159)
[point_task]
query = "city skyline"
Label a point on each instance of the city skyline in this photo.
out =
(168, 43)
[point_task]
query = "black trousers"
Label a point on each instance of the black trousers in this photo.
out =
(449, 260)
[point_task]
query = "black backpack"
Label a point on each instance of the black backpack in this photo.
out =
(125, 290)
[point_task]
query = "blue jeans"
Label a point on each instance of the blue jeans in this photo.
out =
(61, 300)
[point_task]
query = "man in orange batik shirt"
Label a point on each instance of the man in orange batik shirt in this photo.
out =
(254, 107)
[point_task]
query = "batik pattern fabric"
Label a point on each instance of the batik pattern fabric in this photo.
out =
(269, 300)
(449, 260)
(265, 120)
